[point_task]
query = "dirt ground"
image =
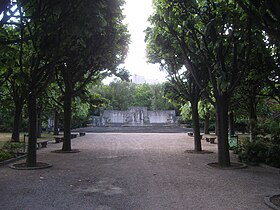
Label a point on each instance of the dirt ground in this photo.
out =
(133, 171)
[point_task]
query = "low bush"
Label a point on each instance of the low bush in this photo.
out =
(262, 150)
(10, 150)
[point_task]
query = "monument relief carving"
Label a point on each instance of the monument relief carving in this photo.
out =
(137, 116)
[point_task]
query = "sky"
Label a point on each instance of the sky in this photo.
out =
(137, 13)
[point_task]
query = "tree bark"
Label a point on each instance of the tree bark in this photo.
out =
(67, 121)
(216, 123)
(55, 126)
(17, 121)
(231, 124)
(206, 123)
(222, 114)
(32, 139)
(39, 123)
(195, 124)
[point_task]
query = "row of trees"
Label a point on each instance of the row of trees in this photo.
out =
(219, 51)
(55, 48)
(119, 95)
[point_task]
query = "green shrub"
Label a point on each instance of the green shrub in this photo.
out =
(10, 150)
(273, 155)
(273, 152)
(4, 155)
(263, 150)
(253, 152)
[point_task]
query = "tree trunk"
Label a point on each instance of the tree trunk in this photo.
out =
(195, 124)
(206, 123)
(55, 126)
(32, 139)
(17, 121)
(253, 120)
(222, 114)
(39, 123)
(67, 121)
(231, 124)
(216, 123)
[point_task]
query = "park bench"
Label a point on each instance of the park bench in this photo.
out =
(210, 139)
(74, 135)
(58, 139)
(42, 144)
(82, 133)
(190, 134)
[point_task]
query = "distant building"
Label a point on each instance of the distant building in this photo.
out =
(137, 79)
(152, 81)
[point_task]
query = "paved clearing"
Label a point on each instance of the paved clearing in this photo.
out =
(135, 171)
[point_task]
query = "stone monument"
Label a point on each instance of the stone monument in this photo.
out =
(137, 116)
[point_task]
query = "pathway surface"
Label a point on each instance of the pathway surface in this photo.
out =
(133, 171)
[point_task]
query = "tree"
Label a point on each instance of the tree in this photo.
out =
(205, 110)
(254, 86)
(54, 104)
(37, 24)
(159, 101)
(142, 95)
(100, 46)
(219, 35)
(120, 94)
(265, 14)
(11, 63)
(169, 45)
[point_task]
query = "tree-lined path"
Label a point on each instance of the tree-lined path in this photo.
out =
(135, 171)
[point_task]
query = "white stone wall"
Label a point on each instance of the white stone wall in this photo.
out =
(113, 116)
(167, 116)
(138, 116)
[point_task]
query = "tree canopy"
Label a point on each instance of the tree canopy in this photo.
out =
(70, 42)
(218, 44)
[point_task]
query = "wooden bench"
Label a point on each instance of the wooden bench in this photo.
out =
(58, 139)
(42, 144)
(82, 133)
(74, 135)
(210, 139)
(190, 134)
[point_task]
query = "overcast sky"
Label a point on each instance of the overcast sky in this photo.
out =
(137, 13)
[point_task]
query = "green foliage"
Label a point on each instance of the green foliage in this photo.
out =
(203, 109)
(265, 15)
(10, 150)
(6, 110)
(120, 95)
(5, 155)
(262, 150)
(159, 101)
(186, 111)
(253, 152)
(80, 113)
(142, 95)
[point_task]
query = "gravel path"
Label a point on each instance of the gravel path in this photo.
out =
(131, 171)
